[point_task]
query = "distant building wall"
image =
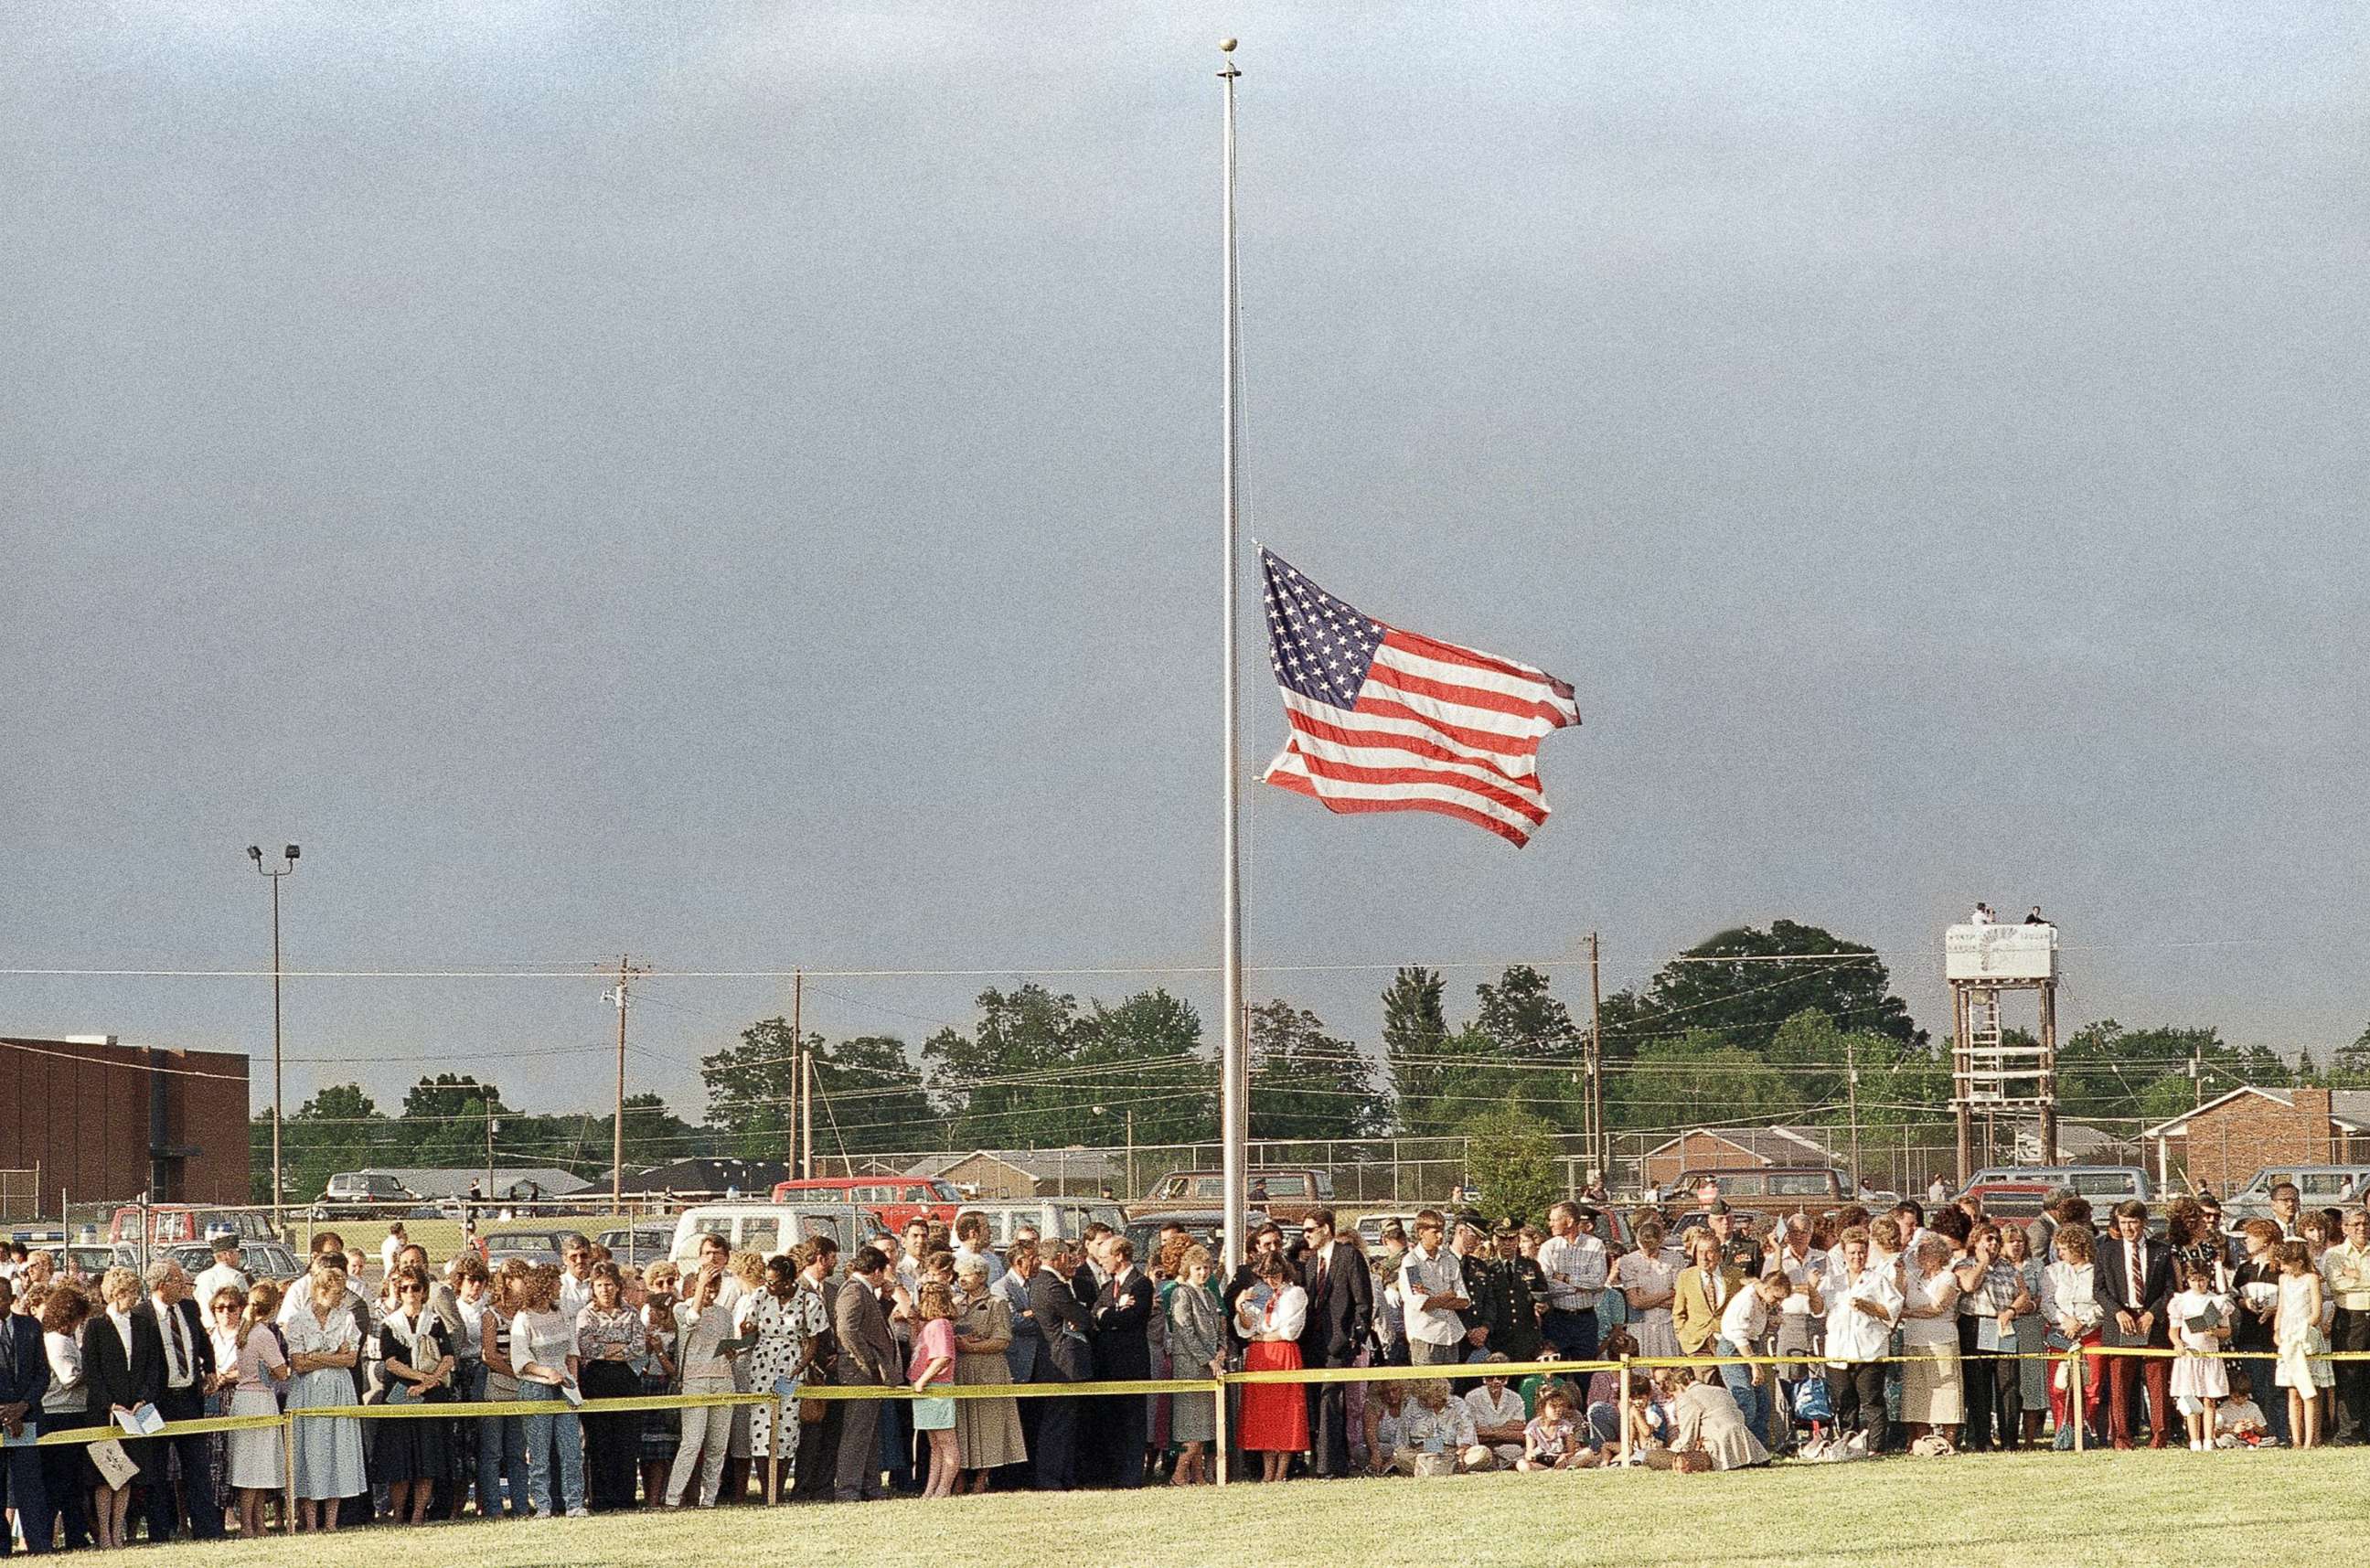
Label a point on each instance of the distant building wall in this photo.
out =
(81, 1112)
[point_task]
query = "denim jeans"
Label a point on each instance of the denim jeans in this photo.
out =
(1752, 1400)
(502, 1455)
(546, 1434)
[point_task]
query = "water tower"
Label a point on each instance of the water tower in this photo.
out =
(1988, 1074)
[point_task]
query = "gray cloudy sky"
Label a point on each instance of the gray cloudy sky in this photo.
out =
(738, 483)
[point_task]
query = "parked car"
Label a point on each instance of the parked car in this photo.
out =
(757, 1226)
(95, 1258)
(535, 1246)
(1052, 1217)
(898, 1198)
(2102, 1184)
(169, 1223)
(1812, 1187)
(2010, 1200)
(1203, 1223)
(639, 1243)
(1370, 1226)
(1286, 1192)
(260, 1260)
(357, 1194)
(2319, 1186)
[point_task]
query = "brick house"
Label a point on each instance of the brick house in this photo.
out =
(2228, 1139)
(1701, 1149)
(1013, 1174)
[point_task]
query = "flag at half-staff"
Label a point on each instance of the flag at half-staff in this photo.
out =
(1385, 719)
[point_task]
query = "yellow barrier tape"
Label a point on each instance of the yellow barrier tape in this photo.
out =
(1460, 1370)
(1007, 1390)
(170, 1429)
(429, 1410)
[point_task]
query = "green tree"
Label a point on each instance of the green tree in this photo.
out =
(340, 1128)
(1415, 1033)
(1744, 983)
(1036, 1067)
(869, 1097)
(1511, 1160)
(750, 1087)
(1306, 1083)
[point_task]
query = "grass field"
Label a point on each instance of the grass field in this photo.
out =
(2134, 1510)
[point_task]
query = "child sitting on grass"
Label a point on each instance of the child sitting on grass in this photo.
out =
(2238, 1421)
(1552, 1440)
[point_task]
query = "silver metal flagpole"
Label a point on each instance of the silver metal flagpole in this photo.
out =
(1234, 1092)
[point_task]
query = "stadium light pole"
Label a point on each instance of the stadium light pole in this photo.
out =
(255, 854)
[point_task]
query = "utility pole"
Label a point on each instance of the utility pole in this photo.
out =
(1600, 1140)
(801, 1082)
(290, 856)
(625, 972)
(1851, 1102)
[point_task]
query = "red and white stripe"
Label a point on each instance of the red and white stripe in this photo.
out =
(1436, 728)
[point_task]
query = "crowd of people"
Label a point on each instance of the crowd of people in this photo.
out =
(1916, 1329)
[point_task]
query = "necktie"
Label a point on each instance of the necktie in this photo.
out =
(1317, 1289)
(171, 1322)
(2133, 1253)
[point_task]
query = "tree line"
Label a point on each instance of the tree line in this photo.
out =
(1749, 1026)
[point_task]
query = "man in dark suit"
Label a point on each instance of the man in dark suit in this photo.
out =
(1341, 1315)
(1122, 1312)
(189, 1353)
(24, 1378)
(2134, 1282)
(867, 1356)
(1068, 1326)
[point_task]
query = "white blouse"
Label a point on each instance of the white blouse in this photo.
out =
(1286, 1314)
(308, 1336)
(65, 1392)
(2071, 1290)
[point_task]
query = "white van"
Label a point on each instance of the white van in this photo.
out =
(766, 1229)
(1065, 1218)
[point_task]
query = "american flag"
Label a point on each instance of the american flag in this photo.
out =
(1390, 720)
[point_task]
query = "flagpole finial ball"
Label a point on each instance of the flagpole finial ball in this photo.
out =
(1226, 46)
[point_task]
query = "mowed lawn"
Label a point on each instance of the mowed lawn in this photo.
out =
(2128, 1509)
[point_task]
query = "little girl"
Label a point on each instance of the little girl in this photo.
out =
(2198, 1378)
(1552, 1439)
(2297, 1333)
(2238, 1421)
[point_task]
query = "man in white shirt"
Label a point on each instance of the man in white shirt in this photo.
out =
(1744, 1329)
(971, 1242)
(189, 1361)
(1498, 1415)
(1862, 1306)
(225, 1274)
(576, 1276)
(1574, 1262)
(2345, 1274)
(1431, 1283)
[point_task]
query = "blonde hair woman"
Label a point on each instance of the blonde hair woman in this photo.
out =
(934, 1364)
(124, 1362)
(323, 1344)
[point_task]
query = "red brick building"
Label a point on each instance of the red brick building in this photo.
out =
(102, 1121)
(1732, 1148)
(2226, 1140)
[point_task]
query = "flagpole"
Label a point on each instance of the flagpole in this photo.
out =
(1234, 1092)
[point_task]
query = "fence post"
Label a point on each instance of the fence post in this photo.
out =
(2077, 1402)
(288, 1473)
(773, 1454)
(1625, 1409)
(1218, 1449)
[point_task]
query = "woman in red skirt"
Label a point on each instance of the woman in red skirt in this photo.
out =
(1275, 1415)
